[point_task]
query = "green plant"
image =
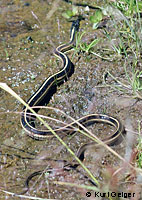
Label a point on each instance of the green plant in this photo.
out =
(96, 18)
(120, 48)
(85, 47)
(70, 13)
(78, 41)
(133, 85)
(88, 47)
(128, 33)
(136, 81)
(129, 7)
(139, 148)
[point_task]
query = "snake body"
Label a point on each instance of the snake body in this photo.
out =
(45, 92)
(49, 87)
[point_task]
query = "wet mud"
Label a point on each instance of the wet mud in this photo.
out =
(29, 33)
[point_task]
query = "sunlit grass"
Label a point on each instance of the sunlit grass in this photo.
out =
(133, 87)
(87, 47)
(129, 50)
(129, 44)
(139, 148)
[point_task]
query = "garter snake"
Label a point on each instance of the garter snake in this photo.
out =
(45, 92)
(43, 95)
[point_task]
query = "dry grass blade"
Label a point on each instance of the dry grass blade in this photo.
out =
(55, 6)
(76, 185)
(23, 196)
(10, 91)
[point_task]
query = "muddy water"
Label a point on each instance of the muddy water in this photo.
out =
(29, 32)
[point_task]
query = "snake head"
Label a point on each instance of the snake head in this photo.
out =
(75, 25)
